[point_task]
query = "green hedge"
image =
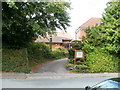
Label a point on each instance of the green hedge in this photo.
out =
(101, 61)
(58, 54)
(78, 68)
(38, 53)
(14, 60)
(71, 53)
(0, 59)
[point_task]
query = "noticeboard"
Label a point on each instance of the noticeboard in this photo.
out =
(79, 54)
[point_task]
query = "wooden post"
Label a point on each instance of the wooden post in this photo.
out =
(74, 61)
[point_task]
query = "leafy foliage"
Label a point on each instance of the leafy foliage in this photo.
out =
(101, 61)
(23, 21)
(38, 51)
(77, 68)
(107, 34)
(15, 60)
(71, 53)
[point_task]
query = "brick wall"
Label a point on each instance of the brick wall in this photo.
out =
(80, 34)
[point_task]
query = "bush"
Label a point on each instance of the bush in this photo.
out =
(80, 62)
(15, 60)
(81, 68)
(71, 53)
(0, 59)
(59, 49)
(38, 53)
(38, 49)
(88, 48)
(69, 66)
(76, 68)
(101, 61)
(58, 54)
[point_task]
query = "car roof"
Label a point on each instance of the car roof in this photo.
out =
(115, 79)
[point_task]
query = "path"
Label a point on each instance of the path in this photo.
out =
(56, 66)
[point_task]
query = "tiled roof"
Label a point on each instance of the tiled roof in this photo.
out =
(55, 38)
(91, 22)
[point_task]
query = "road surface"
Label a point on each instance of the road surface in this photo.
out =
(57, 66)
(52, 83)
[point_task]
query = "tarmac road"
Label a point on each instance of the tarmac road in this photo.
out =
(57, 66)
(52, 83)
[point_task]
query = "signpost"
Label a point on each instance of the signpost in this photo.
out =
(79, 54)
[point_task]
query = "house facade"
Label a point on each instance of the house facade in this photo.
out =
(80, 32)
(61, 39)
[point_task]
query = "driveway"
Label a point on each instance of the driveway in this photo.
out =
(56, 66)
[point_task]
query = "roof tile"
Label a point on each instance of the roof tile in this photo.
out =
(91, 22)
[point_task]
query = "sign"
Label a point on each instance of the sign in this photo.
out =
(79, 54)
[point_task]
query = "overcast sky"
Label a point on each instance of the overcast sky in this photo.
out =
(84, 10)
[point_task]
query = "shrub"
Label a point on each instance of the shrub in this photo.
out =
(76, 68)
(0, 59)
(80, 62)
(88, 48)
(81, 68)
(71, 61)
(71, 53)
(15, 60)
(58, 54)
(59, 48)
(38, 53)
(39, 49)
(69, 65)
(101, 61)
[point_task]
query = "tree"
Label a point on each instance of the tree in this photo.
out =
(106, 35)
(22, 21)
(110, 28)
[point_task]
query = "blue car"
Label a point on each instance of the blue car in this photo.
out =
(109, 84)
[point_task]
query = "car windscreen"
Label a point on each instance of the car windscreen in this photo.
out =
(107, 84)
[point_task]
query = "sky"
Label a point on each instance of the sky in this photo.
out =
(82, 10)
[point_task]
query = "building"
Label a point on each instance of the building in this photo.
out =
(80, 32)
(61, 39)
